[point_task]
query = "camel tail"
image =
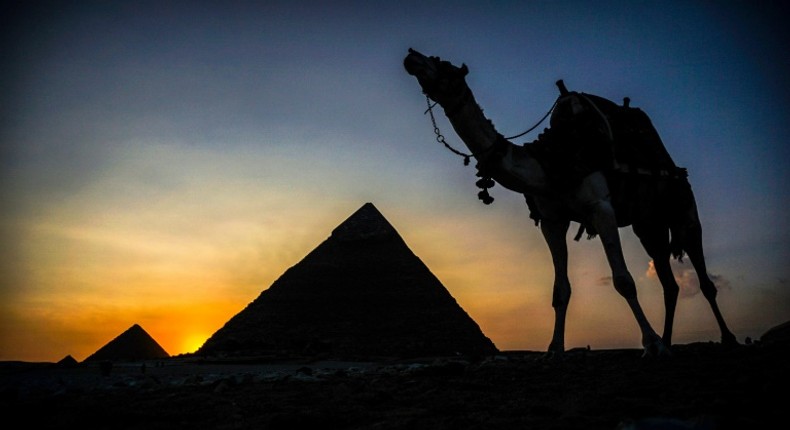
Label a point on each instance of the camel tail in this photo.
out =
(684, 223)
(677, 244)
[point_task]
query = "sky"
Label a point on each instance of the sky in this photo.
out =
(163, 163)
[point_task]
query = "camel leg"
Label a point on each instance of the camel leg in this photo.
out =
(554, 232)
(671, 290)
(655, 240)
(593, 195)
(697, 257)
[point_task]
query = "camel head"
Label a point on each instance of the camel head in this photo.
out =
(443, 82)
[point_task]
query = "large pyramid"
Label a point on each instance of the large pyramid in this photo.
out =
(361, 293)
(133, 344)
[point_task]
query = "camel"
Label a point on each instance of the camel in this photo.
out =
(659, 203)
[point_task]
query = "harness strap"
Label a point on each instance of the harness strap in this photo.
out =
(603, 117)
(678, 173)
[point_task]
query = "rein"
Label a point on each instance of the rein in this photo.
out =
(440, 137)
(485, 182)
(538, 123)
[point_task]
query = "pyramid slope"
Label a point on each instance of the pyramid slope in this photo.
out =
(777, 334)
(360, 293)
(133, 344)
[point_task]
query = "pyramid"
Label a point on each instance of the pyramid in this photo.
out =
(361, 293)
(67, 361)
(777, 334)
(133, 344)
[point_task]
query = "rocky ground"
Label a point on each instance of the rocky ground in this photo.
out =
(703, 386)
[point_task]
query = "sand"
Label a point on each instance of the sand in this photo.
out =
(702, 386)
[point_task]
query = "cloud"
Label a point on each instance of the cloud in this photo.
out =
(687, 279)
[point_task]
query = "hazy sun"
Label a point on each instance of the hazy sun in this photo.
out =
(192, 342)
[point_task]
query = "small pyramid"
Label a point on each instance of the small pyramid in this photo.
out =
(361, 293)
(777, 334)
(133, 344)
(67, 361)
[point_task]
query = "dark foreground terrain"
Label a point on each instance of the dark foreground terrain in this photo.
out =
(703, 386)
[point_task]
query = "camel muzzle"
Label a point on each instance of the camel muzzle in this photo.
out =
(414, 61)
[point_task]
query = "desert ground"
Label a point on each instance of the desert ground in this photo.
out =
(702, 386)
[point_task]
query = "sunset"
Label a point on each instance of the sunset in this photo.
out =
(163, 164)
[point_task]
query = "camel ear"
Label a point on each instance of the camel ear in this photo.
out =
(464, 70)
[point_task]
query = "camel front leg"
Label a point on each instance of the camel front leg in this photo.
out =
(554, 232)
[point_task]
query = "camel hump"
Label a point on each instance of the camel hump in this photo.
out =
(637, 142)
(633, 141)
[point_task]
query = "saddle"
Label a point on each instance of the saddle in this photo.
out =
(590, 133)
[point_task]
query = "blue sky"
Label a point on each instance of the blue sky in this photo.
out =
(162, 164)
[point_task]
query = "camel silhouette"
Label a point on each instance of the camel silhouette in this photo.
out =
(572, 173)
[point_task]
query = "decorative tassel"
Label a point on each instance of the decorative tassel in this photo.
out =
(485, 183)
(485, 197)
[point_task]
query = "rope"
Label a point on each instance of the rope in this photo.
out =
(485, 182)
(536, 125)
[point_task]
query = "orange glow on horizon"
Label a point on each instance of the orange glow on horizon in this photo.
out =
(93, 267)
(191, 343)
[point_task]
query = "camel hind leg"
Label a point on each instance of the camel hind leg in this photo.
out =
(693, 247)
(655, 240)
(593, 195)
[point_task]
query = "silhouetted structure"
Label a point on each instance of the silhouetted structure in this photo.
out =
(361, 293)
(777, 334)
(133, 344)
(67, 361)
(599, 164)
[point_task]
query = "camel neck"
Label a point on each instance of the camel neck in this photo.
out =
(509, 165)
(475, 130)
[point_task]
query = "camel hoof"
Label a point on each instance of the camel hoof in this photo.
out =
(551, 356)
(656, 349)
(728, 339)
(553, 353)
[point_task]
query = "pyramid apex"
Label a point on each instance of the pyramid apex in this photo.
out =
(364, 224)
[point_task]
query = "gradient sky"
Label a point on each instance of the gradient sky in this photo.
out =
(162, 163)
